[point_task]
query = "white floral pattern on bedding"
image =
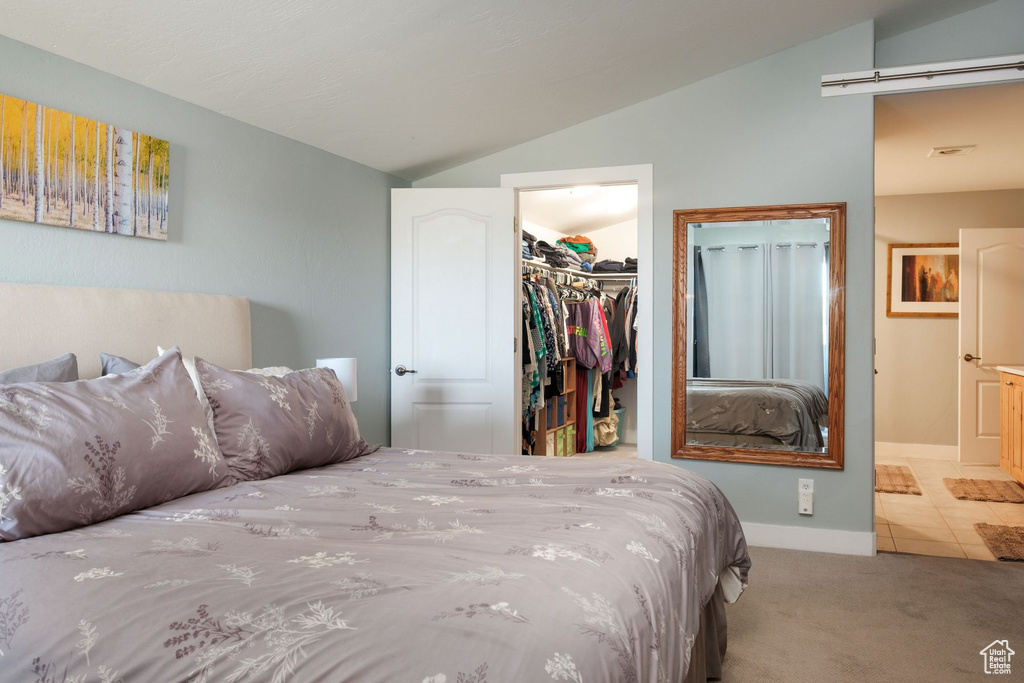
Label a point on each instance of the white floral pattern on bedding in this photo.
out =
(400, 566)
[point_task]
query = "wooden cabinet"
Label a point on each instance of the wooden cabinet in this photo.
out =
(1011, 425)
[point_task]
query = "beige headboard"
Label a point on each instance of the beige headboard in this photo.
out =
(38, 322)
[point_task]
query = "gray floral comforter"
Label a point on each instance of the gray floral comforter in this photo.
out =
(400, 566)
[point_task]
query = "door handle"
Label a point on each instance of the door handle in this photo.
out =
(401, 371)
(968, 357)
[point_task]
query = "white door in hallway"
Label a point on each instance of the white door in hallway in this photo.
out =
(453, 292)
(991, 332)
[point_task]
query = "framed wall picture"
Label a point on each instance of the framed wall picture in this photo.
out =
(923, 281)
(58, 168)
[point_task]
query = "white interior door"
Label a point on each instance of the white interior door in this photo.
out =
(453, 320)
(991, 332)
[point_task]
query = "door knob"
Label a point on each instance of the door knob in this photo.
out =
(401, 371)
(968, 357)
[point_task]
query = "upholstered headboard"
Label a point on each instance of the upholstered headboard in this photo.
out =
(39, 322)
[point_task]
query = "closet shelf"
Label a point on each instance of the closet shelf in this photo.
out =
(624, 277)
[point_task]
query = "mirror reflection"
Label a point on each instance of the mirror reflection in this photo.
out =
(758, 346)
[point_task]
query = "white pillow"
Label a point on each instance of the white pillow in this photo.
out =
(272, 371)
(190, 367)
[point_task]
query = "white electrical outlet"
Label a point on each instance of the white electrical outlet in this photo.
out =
(805, 497)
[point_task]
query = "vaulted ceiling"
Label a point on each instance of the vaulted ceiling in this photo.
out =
(412, 87)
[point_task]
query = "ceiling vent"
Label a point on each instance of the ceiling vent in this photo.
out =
(955, 151)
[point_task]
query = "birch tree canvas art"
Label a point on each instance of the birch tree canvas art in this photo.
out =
(61, 169)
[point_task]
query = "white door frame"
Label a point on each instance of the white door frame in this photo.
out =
(643, 176)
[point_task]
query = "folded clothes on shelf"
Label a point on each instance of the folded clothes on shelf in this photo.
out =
(608, 266)
(579, 244)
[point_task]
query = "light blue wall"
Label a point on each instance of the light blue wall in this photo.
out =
(760, 134)
(988, 31)
(302, 233)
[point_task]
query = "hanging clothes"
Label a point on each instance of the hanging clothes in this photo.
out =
(564, 317)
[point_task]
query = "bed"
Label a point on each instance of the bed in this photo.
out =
(393, 566)
(779, 414)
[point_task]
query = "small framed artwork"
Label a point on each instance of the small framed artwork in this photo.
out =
(923, 281)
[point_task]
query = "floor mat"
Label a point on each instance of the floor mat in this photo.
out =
(989, 490)
(1005, 542)
(895, 479)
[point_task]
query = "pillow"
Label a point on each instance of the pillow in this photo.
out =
(61, 369)
(273, 371)
(77, 453)
(190, 367)
(115, 365)
(268, 426)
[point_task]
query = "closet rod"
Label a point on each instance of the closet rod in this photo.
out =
(580, 273)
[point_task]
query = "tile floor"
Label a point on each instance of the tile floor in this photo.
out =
(936, 523)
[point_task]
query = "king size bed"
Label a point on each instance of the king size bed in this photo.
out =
(340, 562)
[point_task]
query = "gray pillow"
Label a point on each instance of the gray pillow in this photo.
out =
(78, 453)
(268, 426)
(61, 369)
(115, 365)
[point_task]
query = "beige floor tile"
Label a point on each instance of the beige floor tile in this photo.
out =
(899, 501)
(978, 552)
(880, 518)
(978, 507)
(929, 518)
(922, 533)
(883, 530)
(885, 544)
(1010, 513)
(930, 469)
(933, 548)
(968, 537)
(882, 460)
(966, 519)
(983, 472)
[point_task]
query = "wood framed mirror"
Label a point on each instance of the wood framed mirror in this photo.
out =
(759, 325)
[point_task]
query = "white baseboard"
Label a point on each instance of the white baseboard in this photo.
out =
(921, 451)
(803, 538)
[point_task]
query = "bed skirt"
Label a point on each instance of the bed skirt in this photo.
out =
(709, 648)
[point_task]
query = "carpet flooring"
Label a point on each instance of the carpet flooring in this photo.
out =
(817, 617)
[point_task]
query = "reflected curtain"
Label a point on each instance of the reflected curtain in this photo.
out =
(799, 278)
(701, 359)
(737, 310)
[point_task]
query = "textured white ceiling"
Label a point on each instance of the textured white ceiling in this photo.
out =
(908, 126)
(582, 208)
(416, 86)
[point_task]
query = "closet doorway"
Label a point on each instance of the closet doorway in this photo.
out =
(622, 199)
(579, 328)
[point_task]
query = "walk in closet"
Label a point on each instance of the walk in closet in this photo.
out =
(578, 333)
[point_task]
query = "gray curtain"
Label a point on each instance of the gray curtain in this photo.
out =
(701, 353)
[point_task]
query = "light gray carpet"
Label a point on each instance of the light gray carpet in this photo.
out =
(815, 617)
